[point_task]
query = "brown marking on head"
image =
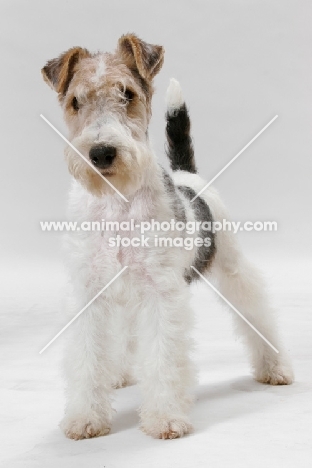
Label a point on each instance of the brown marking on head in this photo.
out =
(146, 58)
(59, 72)
(103, 84)
(143, 59)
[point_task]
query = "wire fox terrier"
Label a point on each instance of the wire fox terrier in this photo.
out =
(138, 329)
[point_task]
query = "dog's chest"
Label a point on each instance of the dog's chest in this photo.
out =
(121, 238)
(114, 232)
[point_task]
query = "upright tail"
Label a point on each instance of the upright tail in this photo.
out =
(180, 148)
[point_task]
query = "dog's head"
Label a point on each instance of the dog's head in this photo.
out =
(106, 100)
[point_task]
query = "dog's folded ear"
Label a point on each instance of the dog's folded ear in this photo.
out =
(59, 72)
(147, 59)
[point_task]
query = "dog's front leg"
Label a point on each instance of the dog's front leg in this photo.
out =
(166, 375)
(89, 371)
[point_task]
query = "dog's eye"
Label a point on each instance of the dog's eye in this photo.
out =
(129, 95)
(75, 104)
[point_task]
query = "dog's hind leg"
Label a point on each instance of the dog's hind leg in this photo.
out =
(242, 285)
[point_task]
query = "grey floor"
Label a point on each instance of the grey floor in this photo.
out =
(238, 422)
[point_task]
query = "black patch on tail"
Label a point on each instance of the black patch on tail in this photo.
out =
(180, 148)
(204, 255)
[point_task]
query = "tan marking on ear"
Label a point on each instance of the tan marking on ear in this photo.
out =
(146, 58)
(59, 72)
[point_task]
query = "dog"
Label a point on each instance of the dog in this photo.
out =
(138, 329)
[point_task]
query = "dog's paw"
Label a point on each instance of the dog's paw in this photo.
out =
(84, 427)
(166, 428)
(278, 374)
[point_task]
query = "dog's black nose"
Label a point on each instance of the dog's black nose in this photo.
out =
(102, 156)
